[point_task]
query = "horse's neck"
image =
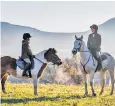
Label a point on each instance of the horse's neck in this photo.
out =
(84, 54)
(40, 56)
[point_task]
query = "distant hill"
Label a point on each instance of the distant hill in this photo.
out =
(12, 36)
(108, 26)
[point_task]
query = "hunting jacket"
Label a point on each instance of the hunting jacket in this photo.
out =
(94, 42)
(26, 51)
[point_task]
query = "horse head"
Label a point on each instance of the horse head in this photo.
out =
(77, 45)
(51, 56)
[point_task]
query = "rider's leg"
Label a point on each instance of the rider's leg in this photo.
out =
(97, 57)
(28, 62)
(99, 61)
(93, 51)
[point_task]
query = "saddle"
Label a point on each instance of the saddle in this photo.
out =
(103, 57)
(21, 64)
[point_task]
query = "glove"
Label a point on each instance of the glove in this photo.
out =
(33, 56)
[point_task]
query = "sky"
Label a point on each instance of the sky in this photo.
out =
(57, 16)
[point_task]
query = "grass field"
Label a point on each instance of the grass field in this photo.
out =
(54, 95)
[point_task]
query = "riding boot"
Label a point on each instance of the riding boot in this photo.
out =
(99, 63)
(26, 69)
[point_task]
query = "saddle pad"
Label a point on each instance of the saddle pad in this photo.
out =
(20, 63)
(103, 57)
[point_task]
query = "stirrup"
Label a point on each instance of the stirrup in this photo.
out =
(25, 74)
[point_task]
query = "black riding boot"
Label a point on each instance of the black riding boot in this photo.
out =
(26, 69)
(99, 63)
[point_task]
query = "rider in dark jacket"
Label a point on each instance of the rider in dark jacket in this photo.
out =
(26, 52)
(94, 44)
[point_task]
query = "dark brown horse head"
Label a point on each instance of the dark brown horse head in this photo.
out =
(51, 56)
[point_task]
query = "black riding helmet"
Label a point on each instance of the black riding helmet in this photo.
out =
(26, 35)
(94, 26)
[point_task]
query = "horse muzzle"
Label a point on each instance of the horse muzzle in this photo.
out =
(58, 62)
(74, 52)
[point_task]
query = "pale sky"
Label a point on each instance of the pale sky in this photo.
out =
(57, 16)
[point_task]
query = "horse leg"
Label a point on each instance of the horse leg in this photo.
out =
(35, 85)
(91, 83)
(102, 82)
(112, 81)
(85, 83)
(3, 80)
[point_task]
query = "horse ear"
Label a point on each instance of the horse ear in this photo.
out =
(53, 49)
(75, 37)
(81, 36)
(50, 49)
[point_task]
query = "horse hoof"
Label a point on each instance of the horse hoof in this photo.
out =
(4, 92)
(100, 93)
(94, 94)
(111, 93)
(86, 94)
(36, 94)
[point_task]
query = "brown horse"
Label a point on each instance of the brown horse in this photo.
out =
(9, 67)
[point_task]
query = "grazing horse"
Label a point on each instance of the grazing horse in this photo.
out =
(9, 66)
(89, 65)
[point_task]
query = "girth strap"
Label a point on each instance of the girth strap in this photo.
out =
(85, 64)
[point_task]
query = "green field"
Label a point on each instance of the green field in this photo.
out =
(54, 95)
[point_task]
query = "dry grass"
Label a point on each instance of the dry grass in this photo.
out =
(54, 95)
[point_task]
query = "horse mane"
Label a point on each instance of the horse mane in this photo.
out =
(41, 53)
(51, 50)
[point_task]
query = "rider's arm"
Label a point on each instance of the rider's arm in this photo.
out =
(98, 41)
(27, 48)
(88, 42)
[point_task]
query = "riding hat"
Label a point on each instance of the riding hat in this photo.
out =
(94, 26)
(26, 35)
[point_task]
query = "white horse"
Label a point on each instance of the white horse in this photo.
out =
(9, 66)
(89, 65)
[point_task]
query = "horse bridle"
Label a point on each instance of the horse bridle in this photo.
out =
(41, 61)
(80, 47)
(80, 60)
(38, 60)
